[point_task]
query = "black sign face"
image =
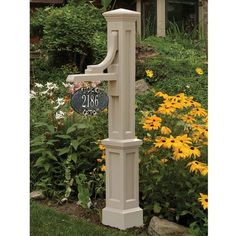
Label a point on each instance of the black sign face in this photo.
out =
(89, 101)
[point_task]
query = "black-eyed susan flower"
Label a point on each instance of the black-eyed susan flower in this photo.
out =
(149, 73)
(152, 123)
(181, 153)
(165, 130)
(166, 110)
(199, 71)
(197, 166)
(184, 139)
(203, 199)
(161, 142)
(160, 94)
(194, 151)
(172, 142)
(198, 111)
(188, 119)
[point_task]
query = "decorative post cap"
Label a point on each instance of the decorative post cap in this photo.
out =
(121, 13)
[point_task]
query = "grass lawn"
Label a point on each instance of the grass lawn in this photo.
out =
(45, 221)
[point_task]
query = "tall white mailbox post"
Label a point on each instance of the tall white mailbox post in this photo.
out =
(122, 147)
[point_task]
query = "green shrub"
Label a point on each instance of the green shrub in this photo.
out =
(174, 67)
(69, 32)
(64, 145)
(37, 21)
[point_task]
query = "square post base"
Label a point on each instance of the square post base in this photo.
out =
(122, 219)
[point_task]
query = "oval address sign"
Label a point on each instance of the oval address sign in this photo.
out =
(89, 101)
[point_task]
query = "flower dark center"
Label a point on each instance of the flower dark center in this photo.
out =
(206, 200)
(172, 140)
(163, 140)
(192, 148)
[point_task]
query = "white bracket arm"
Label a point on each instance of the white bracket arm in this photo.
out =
(95, 72)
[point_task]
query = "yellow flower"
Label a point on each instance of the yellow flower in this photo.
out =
(181, 152)
(199, 71)
(203, 199)
(149, 73)
(165, 130)
(161, 142)
(173, 142)
(151, 150)
(201, 130)
(160, 94)
(103, 168)
(163, 161)
(166, 110)
(101, 147)
(197, 166)
(152, 123)
(195, 152)
(184, 139)
(187, 119)
(147, 139)
(199, 137)
(103, 156)
(198, 111)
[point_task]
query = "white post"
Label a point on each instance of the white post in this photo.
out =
(161, 18)
(122, 182)
(139, 9)
(122, 147)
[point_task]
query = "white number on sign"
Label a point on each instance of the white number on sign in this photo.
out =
(90, 100)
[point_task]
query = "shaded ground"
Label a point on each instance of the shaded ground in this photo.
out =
(92, 216)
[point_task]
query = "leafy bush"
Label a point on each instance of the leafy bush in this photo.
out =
(69, 31)
(174, 67)
(64, 145)
(173, 169)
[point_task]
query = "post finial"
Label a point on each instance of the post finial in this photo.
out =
(121, 14)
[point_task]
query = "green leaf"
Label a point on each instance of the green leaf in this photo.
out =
(46, 166)
(185, 212)
(40, 161)
(39, 150)
(71, 129)
(51, 128)
(105, 3)
(82, 126)
(51, 156)
(63, 150)
(73, 157)
(51, 142)
(75, 144)
(156, 208)
(63, 136)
